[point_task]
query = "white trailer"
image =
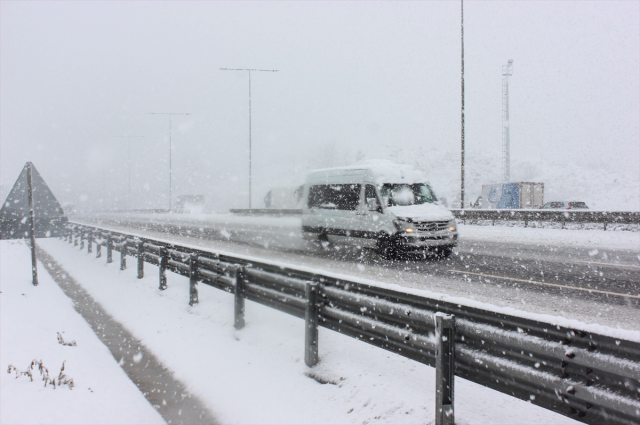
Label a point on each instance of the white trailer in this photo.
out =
(520, 195)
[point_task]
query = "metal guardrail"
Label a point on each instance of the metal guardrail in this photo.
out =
(527, 216)
(574, 216)
(590, 377)
(266, 211)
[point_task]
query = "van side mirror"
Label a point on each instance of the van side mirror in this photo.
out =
(372, 205)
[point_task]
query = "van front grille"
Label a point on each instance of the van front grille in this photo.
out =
(431, 226)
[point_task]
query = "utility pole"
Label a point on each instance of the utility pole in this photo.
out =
(250, 157)
(507, 71)
(462, 105)
(171, 114)
(129, 162)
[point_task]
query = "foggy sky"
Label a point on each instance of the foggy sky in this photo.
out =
(79, 79)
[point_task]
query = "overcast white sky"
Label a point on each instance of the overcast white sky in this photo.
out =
(75, 77)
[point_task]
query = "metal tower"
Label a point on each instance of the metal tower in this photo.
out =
(507, 71)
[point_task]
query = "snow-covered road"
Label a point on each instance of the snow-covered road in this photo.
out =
(568, 273)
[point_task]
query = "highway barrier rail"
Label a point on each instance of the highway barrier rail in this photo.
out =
(527, 216)
(569, 216)
(589, 377)
(266, 211)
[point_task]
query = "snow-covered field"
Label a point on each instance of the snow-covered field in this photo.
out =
(30, 320)
(257, 375)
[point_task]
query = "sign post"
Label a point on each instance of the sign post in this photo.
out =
(32, 211)
(32, 226)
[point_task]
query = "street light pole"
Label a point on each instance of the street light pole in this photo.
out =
(171, 114)
(462, 109)
(250, 158)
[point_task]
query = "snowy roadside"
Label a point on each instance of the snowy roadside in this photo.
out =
(258, 375)
(30, 319)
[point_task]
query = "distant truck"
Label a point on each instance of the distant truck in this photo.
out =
(522, 195)
(283, 197)
(191, 204)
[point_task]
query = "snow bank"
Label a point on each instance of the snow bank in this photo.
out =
(31, 317)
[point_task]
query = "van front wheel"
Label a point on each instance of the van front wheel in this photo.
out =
(385, 247)
(444, 251)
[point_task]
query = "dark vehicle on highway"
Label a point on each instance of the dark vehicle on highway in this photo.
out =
(565, 206)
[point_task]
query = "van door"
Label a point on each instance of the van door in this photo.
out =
(349, 205)
(369, 218)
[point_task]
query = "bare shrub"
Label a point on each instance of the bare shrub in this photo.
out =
(62, 341)
(61, 379)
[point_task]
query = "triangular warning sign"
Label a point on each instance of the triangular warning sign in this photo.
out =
(14, 214)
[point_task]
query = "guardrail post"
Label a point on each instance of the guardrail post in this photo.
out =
(164, 259)
(140, 259)
(604, 226)
(75, 241)
(99, 247)
(69, 235)
(193, 279)
(445, 368)
(109, 249)
(238, 310)
(89, 242)
(123, 254)
(311, 325)
(81, 241)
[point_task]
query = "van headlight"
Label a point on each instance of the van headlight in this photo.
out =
(404, 226)
(452, 225)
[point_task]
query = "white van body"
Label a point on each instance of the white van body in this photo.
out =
(376, 204)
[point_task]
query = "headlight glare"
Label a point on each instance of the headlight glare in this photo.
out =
(403, 226)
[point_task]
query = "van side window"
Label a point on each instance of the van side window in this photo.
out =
(370, 198)
(335, 196)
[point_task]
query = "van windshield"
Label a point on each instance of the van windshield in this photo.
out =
(407, 194)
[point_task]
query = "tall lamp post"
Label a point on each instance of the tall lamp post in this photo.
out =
(171, 114)
(462, 104)
(129, 161)
(249, 70)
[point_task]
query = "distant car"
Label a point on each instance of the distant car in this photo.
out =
(565, 206)
(69, 209)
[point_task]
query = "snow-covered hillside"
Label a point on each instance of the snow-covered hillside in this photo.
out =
(565, 179)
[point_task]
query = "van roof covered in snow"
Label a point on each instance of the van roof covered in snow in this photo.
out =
(377, 171)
